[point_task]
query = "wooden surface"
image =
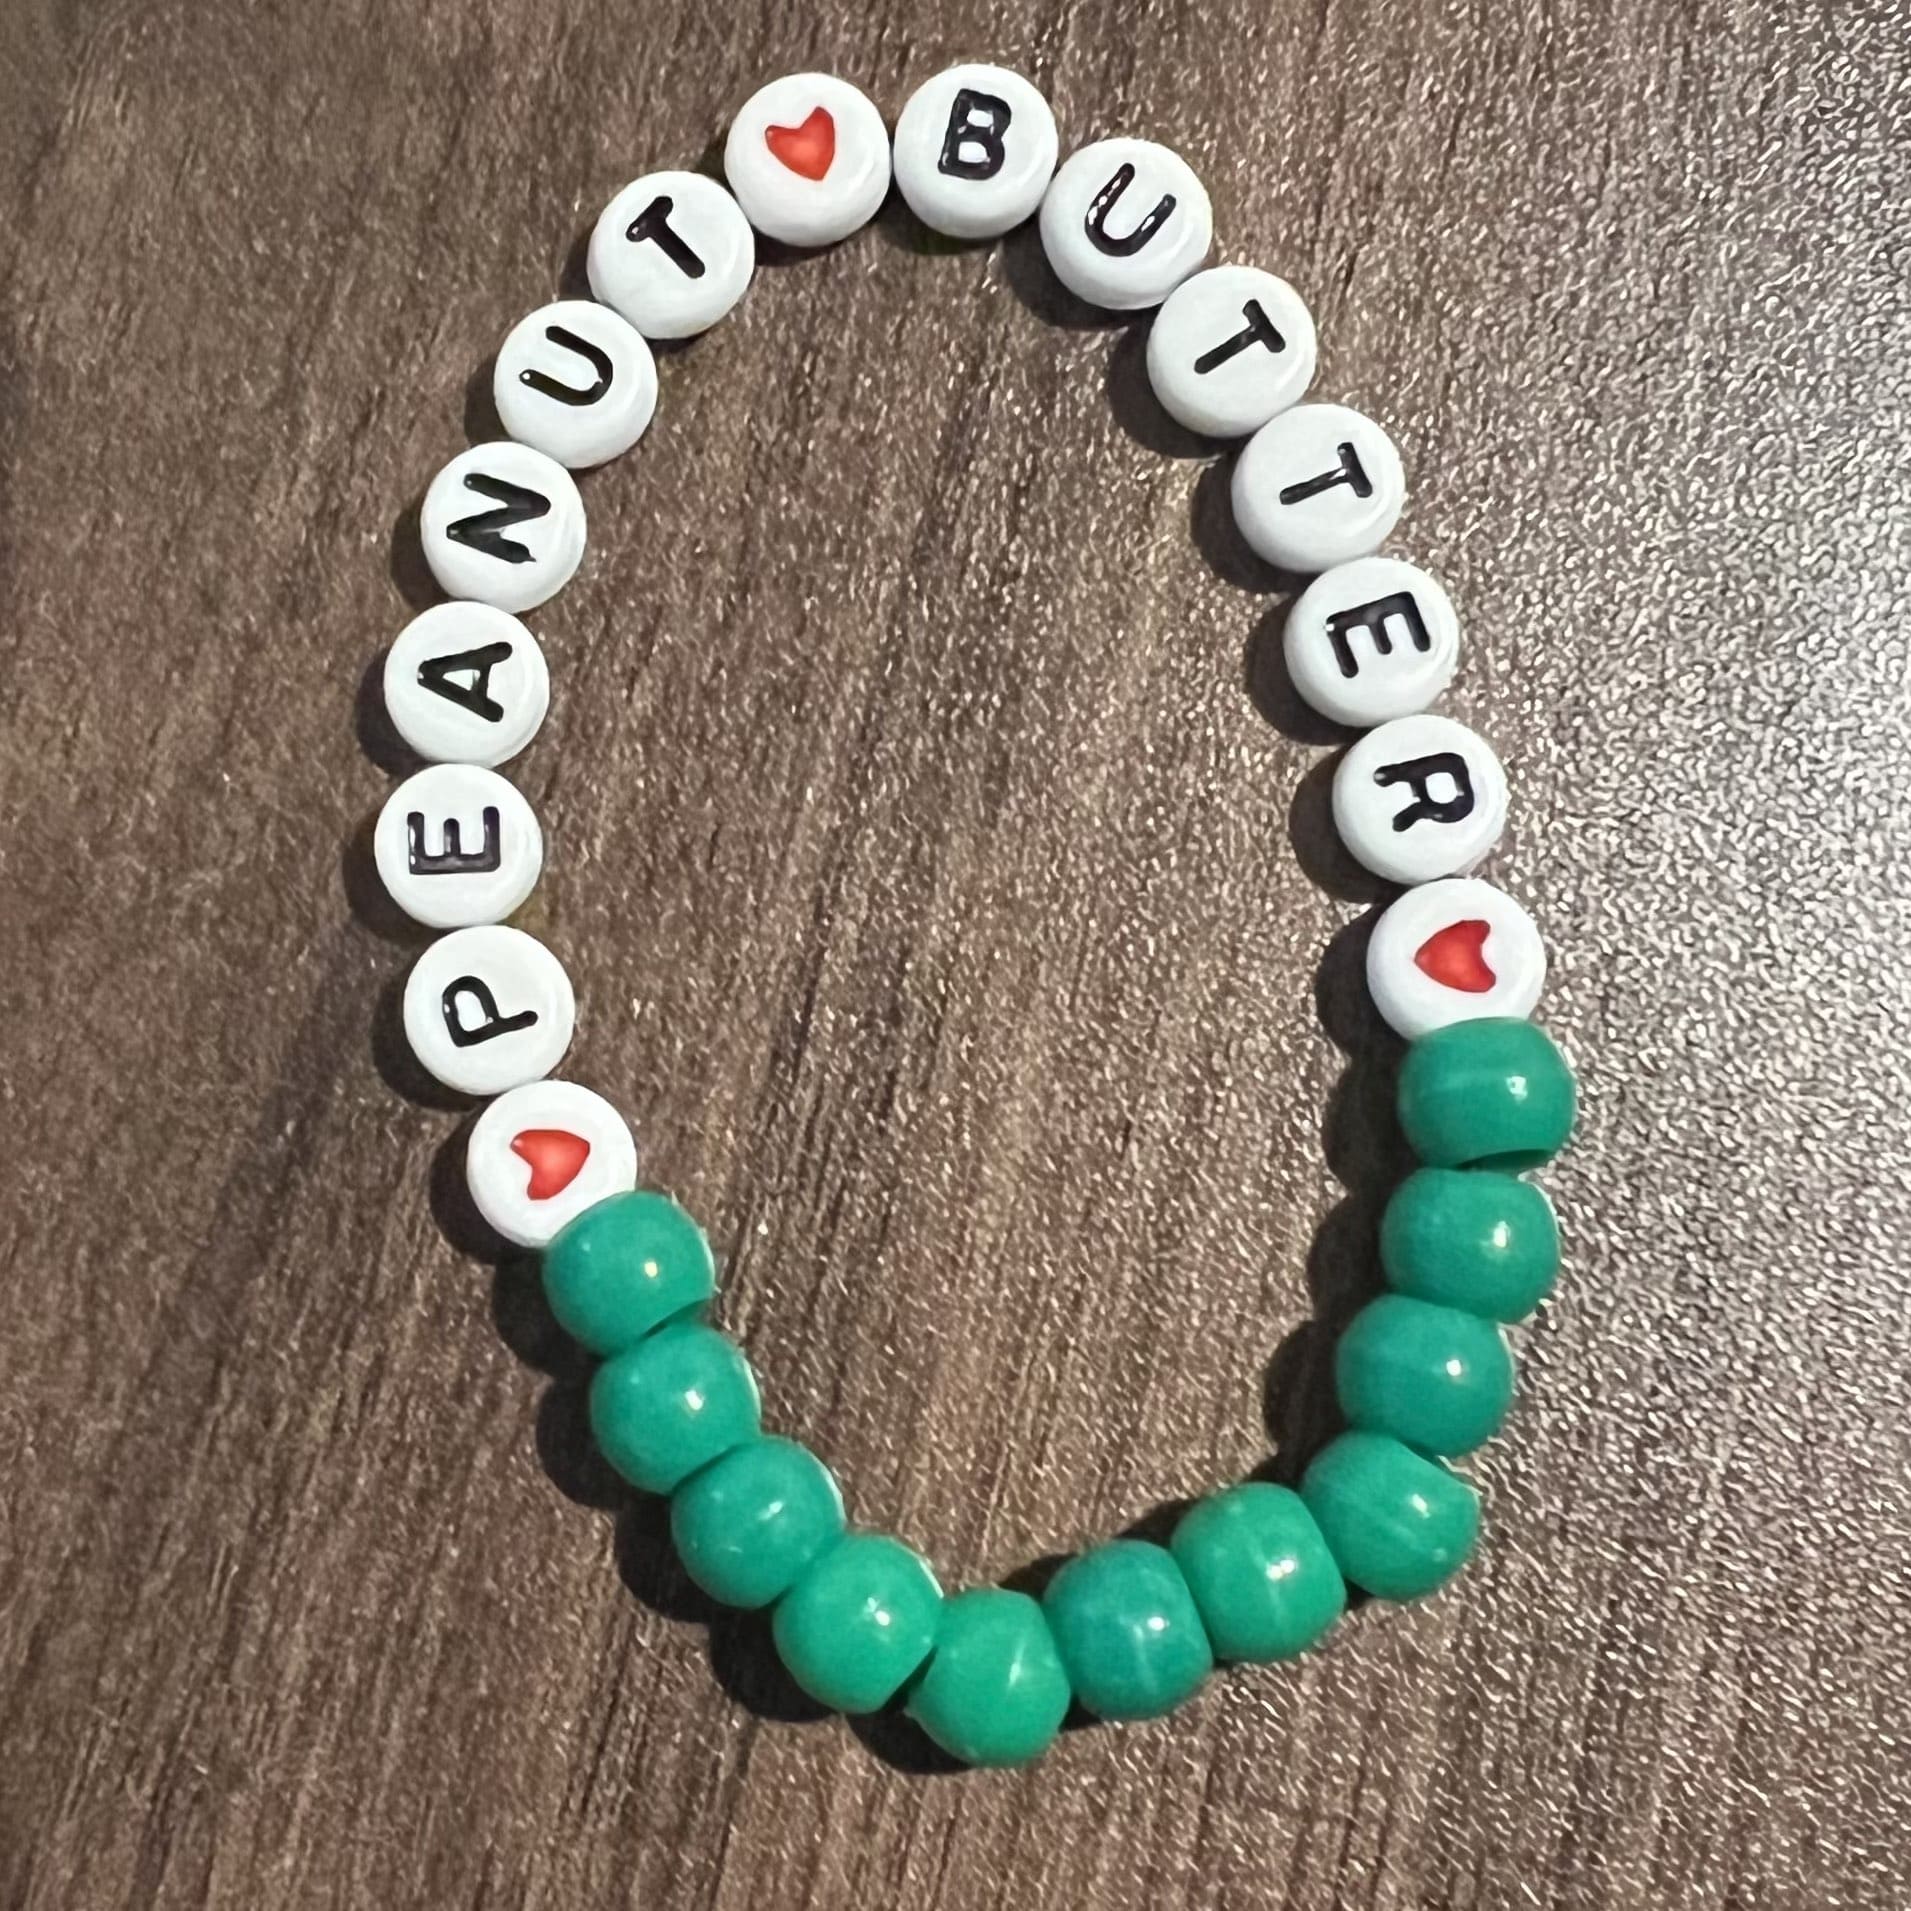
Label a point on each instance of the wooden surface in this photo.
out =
(942, 866)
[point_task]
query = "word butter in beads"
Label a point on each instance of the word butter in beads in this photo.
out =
(1255, 1572)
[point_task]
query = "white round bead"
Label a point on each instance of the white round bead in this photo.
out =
(456, 844)
(1372, 640)
(1420, 797)
(503, 524)
(808, 159)
(575, 382)
(488, 1008)
(1450, 952)
(975, 150)
(541, 1154)
(673, 253)
(466, 683)
(1317, 485)
(1232, 346)
(1124, 222)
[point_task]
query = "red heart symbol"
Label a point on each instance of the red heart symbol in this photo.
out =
(809, 149)
(555, 1156)
(1452, 957)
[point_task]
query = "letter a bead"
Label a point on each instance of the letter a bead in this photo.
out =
(465, 683)
(975, 150)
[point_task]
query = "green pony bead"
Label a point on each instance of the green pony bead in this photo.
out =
(1263, 1580)
(1494, 1093)
(1485, 1243)
(1398, 1524)
(624, 1267)
(857, 1625)
(673, 1403)
(749, 1524)
(1125, 1624)
(1438, 1380)
(994, 1691)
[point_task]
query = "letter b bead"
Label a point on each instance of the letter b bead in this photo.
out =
(975, 149)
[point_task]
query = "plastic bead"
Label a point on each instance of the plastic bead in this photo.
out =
(673, 1403)
(1371, 640)
(626, 1267)
(540, 1155)
(1127, 1629)
(1231, 347)
(748, 1526)
(1453, 951)
(488, 1009)
(1399, 1525)
(1419, 798)
(1124, 222)
(808, 159)
(1483, 1242)
(503, 524)
(466, 683)
(1438, 1380)
(457, 845)
(857, 1625)
(576, 382)
(975, 149)
(994, 1692)
(1486, 1094)
(1316, 486)
(1261, 1575)
(673, 253)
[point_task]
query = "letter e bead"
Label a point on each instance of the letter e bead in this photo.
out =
(456, 845)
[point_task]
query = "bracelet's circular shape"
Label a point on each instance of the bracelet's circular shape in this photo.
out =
(1257, 1571)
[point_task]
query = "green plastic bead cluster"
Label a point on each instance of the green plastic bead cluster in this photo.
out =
(1129, 1629)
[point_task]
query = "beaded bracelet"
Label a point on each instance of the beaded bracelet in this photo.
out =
(1258, 1571)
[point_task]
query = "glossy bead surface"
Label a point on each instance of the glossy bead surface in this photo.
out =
(1453, 951)
(673, 253)
(624, 1268)
(503, 524)
(808, 159)
(540, 1155)
(975, 150)
(859, 1622)
(456, 845)
(1231, 347)
(1316, 486)
(677, 1400)
(1263, 1580)
(994, 1692)
(576, 382)
(1438, 1380)
(1398, 1525)
(466, 683)
(1486, 1094)
(1371, 640)
(1127, 1629)
(1484, 1242)
(1420, 798)
(488, 1008)
(748, 1527)
(1124, 222)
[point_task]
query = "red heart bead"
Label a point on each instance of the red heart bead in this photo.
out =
(555, 1155)
(1452, 956)
(809, 149)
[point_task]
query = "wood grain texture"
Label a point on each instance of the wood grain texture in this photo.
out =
(942, 865)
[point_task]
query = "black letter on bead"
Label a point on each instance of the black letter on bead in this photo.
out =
(1425, 807)
(436, 674)
(976, 119)
(1096, 222)
(1260, 331)
(1373, 619)
(654, 223)
(1350, 472)
(468, 1035)
(596, 356)
(516, 505)
(454, 859)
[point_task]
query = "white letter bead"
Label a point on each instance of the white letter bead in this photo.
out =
(1317, 485)
(1232, 346)
(575, 382)
(1372, 640)
(487, 1009)
(465, 683)
(1418, 798)
(975, 149)
(456, 844)
(1124, 222)
(673, 253)
(1450, 952)
(503, 524)
(808, 159)
(541, 1154)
